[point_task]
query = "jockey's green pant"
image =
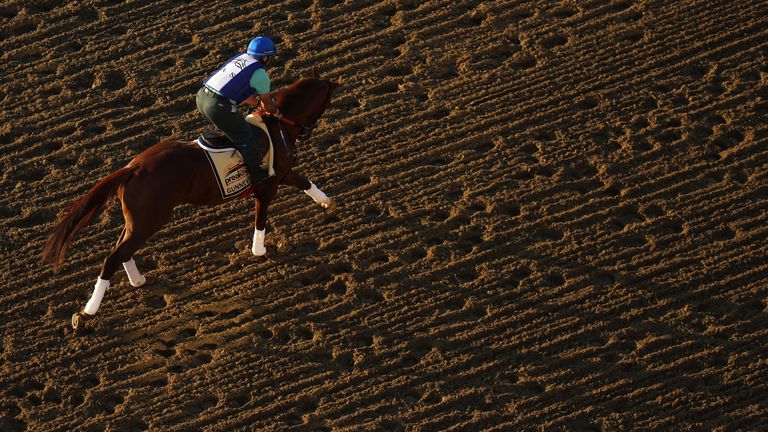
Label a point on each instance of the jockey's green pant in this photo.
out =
(228, 119)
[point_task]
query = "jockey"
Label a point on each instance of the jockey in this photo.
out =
(243, 79)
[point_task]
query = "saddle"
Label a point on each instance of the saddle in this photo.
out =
(218, 141)
(227, 164)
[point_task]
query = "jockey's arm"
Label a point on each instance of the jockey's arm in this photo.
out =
(251, 101)
(265, 100)
(267, 103)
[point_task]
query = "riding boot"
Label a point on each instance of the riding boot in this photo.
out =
(251, 160)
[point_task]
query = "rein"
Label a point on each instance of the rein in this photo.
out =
(287, 121)
(284, 119)
(305, 130)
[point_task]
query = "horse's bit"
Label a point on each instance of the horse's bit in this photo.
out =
(305, 131)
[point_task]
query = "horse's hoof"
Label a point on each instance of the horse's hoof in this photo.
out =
(78, 320)
(138, 284)
(148, 280)
(330, 205)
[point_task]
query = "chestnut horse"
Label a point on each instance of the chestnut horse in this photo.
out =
(171, 173)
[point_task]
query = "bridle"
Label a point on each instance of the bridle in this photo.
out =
(305, 130)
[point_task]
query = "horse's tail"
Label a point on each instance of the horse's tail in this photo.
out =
(79, 214)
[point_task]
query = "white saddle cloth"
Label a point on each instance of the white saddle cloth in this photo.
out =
(228, 167)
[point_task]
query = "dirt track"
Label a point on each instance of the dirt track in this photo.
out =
(552, 216)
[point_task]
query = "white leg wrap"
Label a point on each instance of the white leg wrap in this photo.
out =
(134, 277)
(316, 194)
(98, 294)
(258, 248)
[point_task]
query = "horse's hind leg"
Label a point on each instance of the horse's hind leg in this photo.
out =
(134, 275)
(122, 253)
(135, 233)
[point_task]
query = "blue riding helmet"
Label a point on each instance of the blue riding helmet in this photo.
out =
(262, 46)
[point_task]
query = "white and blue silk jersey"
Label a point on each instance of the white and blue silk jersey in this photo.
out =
(233, 79)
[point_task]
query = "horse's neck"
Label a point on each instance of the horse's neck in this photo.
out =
(281, 143)
(273, 126)
(313, 94)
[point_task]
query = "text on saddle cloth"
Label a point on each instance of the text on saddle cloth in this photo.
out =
(228, 167)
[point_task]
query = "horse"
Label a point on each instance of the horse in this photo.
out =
(172, 173)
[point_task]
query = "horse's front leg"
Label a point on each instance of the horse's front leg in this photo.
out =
(300, 182)
(260, 232)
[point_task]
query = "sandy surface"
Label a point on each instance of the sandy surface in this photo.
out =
(552, 215)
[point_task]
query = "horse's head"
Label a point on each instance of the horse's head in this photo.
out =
(305, 101)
